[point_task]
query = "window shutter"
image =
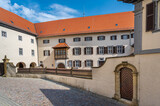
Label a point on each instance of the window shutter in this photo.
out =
(150, 15)
(123, 49)
(115, 37)
(64, 40)
(73, 63)
(105, 50)
(85, 63)
(111, 37)
(121, 36)
(84, 50)
(97, 50)
(44, 53)
(73, 52)
(127, 36)
(59, 40)
(91, 50)
(48, 52)
(79, 51)
(98, 37)
(114, 49)
(80, 63)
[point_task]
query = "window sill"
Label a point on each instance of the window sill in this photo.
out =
(155, 31)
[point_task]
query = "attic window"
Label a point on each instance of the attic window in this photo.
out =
(89, 27)
(28, 28)
(64, 29)
(116, 24)
(40, 31)
(12, 22)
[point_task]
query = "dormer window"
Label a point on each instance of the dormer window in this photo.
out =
(64, 29)
(12, 22)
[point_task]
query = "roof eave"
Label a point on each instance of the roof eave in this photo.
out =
(131, 1)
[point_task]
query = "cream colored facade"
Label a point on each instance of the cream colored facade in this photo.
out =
(50, 62)
(10, 47)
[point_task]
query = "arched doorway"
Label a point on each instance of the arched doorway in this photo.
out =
(61, 65)
(126, 83)
(21, 65)
(33, 65)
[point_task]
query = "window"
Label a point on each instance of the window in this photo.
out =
(32, 52)
(76, 39)
(76, 51)
(88, 38)
(32, 40)
(20, 38)
(110, 49)
(88, 50)
(70, 63)
(20, 51)
(120, 49)
(45, 41)
(88, 63)
(4, 34)
(77, 63)
(101, 37)
(101, 50)
(114, 37)
(150, 15)
(124, 37)
(132, 35)
(46, 52)
(61, 40)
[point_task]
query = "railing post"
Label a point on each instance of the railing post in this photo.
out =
(71, 72)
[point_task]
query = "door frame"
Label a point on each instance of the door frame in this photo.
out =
(117, 94)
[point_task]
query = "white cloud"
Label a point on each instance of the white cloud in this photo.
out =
(56, 12)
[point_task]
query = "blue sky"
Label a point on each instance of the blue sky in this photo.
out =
(47, 10)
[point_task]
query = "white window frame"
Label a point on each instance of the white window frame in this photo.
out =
(76, 39)
(61, 40)
(110, 49)
(88, 63)
(46, 52)
(46, 41)
(4, 34)
(77, 51)
(119, 49)
(88, 50)
(21, 51)
(101, 50)
(69, 63)
(77, 63)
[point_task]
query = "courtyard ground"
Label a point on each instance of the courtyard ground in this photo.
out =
(40, 92)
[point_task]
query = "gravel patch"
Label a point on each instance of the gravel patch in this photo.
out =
(40, 92)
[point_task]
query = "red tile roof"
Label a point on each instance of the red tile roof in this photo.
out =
(61, 45)
(100, 23)
(91, 24)
(8, 17)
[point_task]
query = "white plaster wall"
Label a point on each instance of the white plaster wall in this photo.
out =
(10, 46)
(48, 61)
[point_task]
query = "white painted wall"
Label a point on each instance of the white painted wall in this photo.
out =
(49, 60)
(10, 46)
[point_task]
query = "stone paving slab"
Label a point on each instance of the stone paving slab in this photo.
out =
(40, 92)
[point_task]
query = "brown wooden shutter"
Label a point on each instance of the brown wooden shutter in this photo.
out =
(79, 51)
(115, 37)
(73, 63)
(105, 50)
(150, 16)
(97, 50)
(121, 36)
(123, 49)
(73, 52)
(98, 37)
(80, 63)
(111, 37)
(127, 36)
(48, 52)
(115, 49)
(84, 50)
(44, 53)
(85, 63)
(91, 50)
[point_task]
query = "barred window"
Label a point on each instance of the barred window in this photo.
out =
(4, 34)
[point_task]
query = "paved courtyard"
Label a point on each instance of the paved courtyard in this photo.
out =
(39, 92)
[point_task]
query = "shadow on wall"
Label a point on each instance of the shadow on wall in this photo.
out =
(49, 60)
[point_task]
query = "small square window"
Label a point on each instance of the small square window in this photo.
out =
(89, 27)
(64, 29)
(88, 38)
(4, 34)
(45, 41)
(20, 51)
(20, 38)
(124, 37)
(32, 52)
(114, 37)
(61, 40)
(32, 40)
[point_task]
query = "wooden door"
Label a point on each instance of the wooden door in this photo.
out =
(126, 83)
(61, 65)
(1, 69)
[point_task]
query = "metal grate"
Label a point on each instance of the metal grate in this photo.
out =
(126, 83)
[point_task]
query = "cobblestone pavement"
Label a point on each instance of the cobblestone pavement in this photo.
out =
(39, 92)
